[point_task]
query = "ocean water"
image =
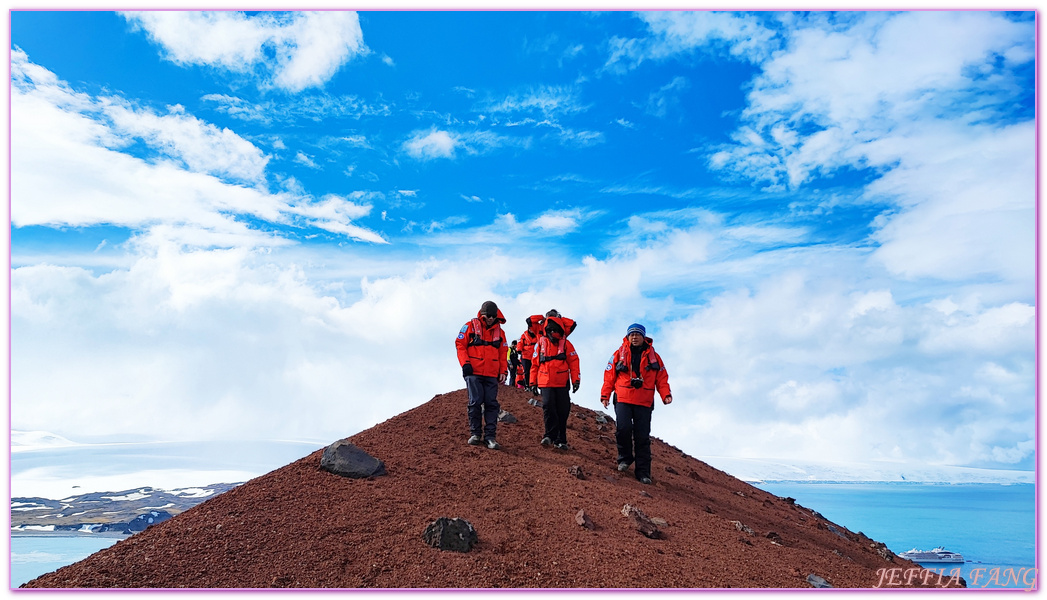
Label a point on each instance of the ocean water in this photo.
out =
(992, 525)
(32, 556)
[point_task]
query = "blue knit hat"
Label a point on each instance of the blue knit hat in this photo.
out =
(637, 328)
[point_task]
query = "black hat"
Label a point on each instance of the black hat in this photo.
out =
(489, 309)
(553, 326)
(553, 313)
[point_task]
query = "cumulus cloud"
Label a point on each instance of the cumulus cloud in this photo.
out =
(437, 143)
(427, 145)
(293, 51)
(800, 352)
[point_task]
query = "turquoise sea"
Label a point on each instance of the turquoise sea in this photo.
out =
(992, 525)
(32, 556)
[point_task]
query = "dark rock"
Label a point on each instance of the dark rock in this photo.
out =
(743, 527)
(581, 415)
(790, 501)
(603, 419)
(645, 494)
(576, 471)
(456, 534)
(833, 529)
(882, 551)
(669, 469)
(506, 417)
(775, 538)
(152, 517)
(583, 519)
(641, 522)
(818, 582)
(345, 459)
(695, 476)
(708, 509)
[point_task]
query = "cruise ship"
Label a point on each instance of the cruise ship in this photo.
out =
(938, 555)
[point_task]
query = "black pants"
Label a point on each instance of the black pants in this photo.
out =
(511, 379)
(633, 435)
(483, 405)
(557, 407)
(526, 377)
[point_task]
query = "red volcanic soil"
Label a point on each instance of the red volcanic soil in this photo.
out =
(300, 526)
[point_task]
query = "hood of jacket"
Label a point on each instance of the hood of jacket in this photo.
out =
(567, 325)
(498, 319)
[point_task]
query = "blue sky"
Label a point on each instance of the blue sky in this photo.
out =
(271, 225)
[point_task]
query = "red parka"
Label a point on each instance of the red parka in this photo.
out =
(483, 347)
(530, 337)
(618, 376)
(555, 363)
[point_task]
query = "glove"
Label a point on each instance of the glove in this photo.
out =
(467, 370)
(668, 399)
(534, 390)
(574, 388)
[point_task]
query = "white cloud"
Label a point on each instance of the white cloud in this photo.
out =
(659, 103)
(544, 100)
(311, 106)
(307, 48)
(559, 221)
(67, 169)
(914, 97)
(427, 145)
(437, 143)
(799, 353)
(673, 33)
(201, 146)
(305, 160)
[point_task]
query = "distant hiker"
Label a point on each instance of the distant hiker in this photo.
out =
(526, 347)
(554, 370)
(632, 375)
(481, 352)
(514, 363)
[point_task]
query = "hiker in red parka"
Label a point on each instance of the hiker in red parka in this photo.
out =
(481, 352)
(632, 375)
(526, 346)
(554, 370)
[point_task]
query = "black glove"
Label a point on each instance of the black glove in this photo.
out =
(574, 388)
(534, 390)
(467, 370)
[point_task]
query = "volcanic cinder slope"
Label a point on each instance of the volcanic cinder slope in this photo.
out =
(300, 526)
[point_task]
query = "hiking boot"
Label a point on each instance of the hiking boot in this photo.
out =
(475, 440)
(623, 466)
(646, 480)
(547, 441)
(493, 445)
(563, 446)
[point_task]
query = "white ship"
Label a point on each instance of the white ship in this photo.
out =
(938, 555)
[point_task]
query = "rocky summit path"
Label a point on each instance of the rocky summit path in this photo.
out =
(544, 518)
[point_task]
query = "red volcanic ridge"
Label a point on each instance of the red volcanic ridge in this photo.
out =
(544, 518)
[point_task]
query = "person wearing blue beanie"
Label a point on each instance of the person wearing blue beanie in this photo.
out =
(633, 374)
